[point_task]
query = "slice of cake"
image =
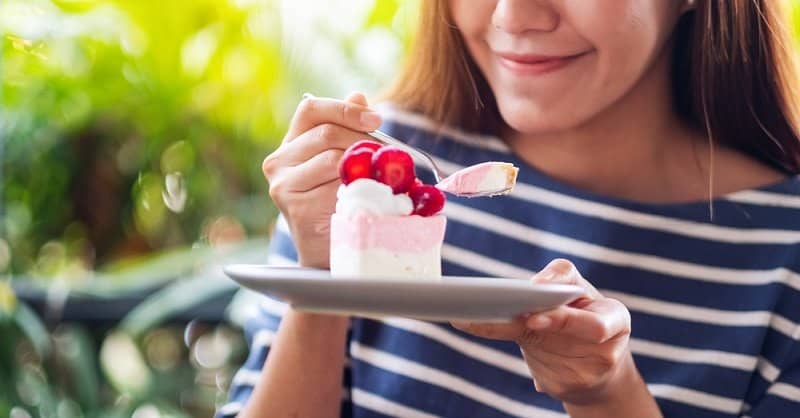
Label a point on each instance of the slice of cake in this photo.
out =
(484, 179)
(387, 223)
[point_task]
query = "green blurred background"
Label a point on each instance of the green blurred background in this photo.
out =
(131, 138)
(132, 135)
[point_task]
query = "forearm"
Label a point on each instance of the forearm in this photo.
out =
(302, 375)
(627, 397)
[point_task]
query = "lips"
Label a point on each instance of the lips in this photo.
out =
(535, 64)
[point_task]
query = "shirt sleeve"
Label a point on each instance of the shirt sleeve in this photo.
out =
(782, 396)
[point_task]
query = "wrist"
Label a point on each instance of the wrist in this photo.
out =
(625, 394)
(318, 321)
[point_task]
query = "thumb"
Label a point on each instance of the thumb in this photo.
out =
(562, 271)
(598, 322)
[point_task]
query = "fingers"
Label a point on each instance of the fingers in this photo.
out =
(310, 206)
(320, 169)
(562, 271)
(597, 322)
(312, 112)
(316, 140)
(495, 331)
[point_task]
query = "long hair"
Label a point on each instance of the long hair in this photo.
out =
(734, 76)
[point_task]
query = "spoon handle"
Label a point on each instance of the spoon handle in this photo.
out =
(426, 159)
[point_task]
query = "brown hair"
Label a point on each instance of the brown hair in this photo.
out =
(734, 75)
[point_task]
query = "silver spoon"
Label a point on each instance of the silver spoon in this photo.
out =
(425, 159)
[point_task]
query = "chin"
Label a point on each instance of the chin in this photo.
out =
(533, 121)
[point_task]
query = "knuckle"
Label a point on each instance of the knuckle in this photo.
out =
(326, 132)
(626, 319)
(332, 157)
(307, 106)
(600, 331)
(607, 331)
(277, 190)
(273, 192)
(270, 164)
(344, 112)
(351, 113)
(606, 361)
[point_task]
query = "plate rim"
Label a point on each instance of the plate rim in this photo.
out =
(249, 273)
(251, 276)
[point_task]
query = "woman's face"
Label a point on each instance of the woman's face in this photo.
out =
(555, 64)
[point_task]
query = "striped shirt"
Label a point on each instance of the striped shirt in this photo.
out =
(715, 305)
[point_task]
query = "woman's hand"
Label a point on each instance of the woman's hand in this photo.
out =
(303, 172)
(577, 353)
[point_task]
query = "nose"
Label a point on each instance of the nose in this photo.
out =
(520, 16)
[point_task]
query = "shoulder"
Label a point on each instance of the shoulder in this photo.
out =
(750, 182)
(736, 170)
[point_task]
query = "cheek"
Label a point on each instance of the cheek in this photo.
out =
(471, 17)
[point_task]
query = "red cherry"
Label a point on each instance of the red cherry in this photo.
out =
(364, 144)
(427, 199)
(394, 168)
(355, 165)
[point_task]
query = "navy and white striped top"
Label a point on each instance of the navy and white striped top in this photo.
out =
(715, 306)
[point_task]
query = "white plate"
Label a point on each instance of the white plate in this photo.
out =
(452, 298)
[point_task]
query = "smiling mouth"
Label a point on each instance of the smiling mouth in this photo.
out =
(535, 64)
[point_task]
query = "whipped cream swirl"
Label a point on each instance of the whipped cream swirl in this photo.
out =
(370, 196)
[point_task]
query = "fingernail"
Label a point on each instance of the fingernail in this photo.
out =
(460, 325)
(539, 322)
(370, 119)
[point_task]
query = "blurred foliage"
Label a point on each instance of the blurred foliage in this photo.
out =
(133, 126)
(77, 371)
(131, 140)
(145, 365)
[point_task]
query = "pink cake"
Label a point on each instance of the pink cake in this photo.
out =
(489, 178)
(387, 223)
(380, 246)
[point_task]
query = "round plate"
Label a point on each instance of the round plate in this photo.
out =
(483, 299)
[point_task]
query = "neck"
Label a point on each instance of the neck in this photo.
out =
(636, 148)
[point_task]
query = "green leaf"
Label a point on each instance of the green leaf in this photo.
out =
(175, 298)
(33, 328)
(77, 351)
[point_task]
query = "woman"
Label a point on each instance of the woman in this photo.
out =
(658, 151)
